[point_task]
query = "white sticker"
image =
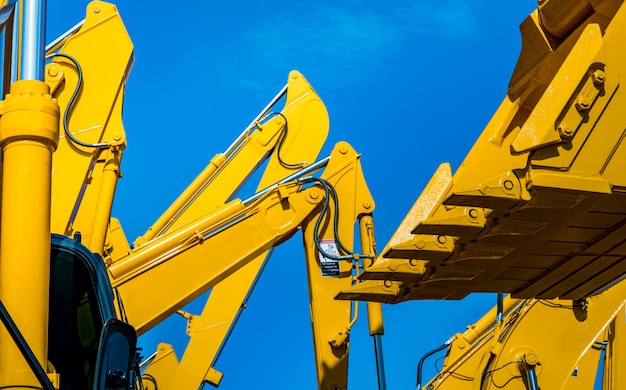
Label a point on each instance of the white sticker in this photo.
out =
(329, 267)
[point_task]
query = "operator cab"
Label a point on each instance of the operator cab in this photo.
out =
(87, 345)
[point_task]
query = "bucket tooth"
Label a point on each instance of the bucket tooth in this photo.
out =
(499, 193)
(462, 222)
(372, 291)
(407, 271)
(423, 247)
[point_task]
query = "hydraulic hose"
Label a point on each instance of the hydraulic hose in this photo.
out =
(420, 365)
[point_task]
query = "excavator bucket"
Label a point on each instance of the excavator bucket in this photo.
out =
(538, 206)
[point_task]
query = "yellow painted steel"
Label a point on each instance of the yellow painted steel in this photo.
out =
(155, 280)
(83, 199)
(368, 247)
(536, 208)
(102, 214)
(28, 136)
(615, 363)
(536, 218)
(296, 135)
(85, 177)
(164, 360)
(293, 140)
(566, 339)
(331, 319)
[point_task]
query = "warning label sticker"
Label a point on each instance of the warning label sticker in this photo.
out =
(329, 267)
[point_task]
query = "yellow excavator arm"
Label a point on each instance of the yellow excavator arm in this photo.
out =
(203, 238)
(560, 342)
(157, 278)
(536, 210)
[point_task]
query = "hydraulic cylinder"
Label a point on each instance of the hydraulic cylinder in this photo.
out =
(28, 136)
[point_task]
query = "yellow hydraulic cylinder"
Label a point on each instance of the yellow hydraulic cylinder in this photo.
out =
(102, 214)
(368, 246)
(374, 309)
(28, 137)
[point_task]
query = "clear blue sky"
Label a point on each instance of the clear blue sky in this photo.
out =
(409, 84)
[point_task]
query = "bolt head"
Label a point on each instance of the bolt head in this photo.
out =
(565, 131)
(53, 71)
(530, 359)
(598, 77)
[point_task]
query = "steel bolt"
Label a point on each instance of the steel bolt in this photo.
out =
(442, 239)
(367, 205)
(53, 71)
(598, 77)
(388, 283)
(508, 185)
(582, 105)
(96, 9)
(530, 359)
(314, 195)
(565, 131)
(473, 213)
